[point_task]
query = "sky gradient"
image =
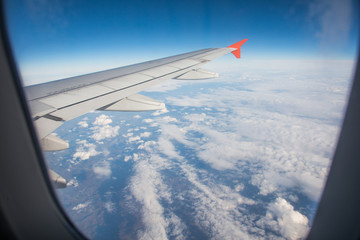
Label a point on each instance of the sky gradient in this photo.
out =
(86, 36)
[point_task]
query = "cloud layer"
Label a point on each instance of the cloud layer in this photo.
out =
(242, 157)
(274, 129)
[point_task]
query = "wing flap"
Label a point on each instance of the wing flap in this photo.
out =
(53, 143)
(45, 126)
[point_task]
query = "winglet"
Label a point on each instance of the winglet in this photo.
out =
(237, 46)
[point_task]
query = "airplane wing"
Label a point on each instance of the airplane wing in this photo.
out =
(53, 103)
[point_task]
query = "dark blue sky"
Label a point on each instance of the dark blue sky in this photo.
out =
(104, 32)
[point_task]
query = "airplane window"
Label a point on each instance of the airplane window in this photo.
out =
(135, 155)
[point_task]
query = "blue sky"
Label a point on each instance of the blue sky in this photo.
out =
(100, 34)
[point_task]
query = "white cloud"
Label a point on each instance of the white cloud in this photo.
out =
(73, 182)
(145, 134)
(144, 187)
(282, 218)
(196, 117)
(170, 131)
(147, 145)
(81, 206)
(135, 157)
(148, 120)
(127, 158)
(169, 119)
(287, 127)
(274, 137)
(167, 148)
(154, 124)
(102, 169)
(85, 150)
(133, 139)
(276, 127)
(102, 129)
(239, 187)
(102, 120)
(175, 228)
(109, 206)
(128, 135)
(159, 112)
(187, 101)
(216, 206)
(83, 124)
(106, 131)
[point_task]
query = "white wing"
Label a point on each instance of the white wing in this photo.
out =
(53, 103)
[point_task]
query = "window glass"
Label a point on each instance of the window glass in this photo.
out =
(244, 155)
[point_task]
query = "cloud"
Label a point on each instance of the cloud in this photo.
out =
(239, 187)
(171, 131)
(102, 169)
(135, 157)
(169, 119)
(282, 217)
(159, 112)
(85, 150)
(102, 128)
(128, 135)
(148, 120)
(276, 132)
(127, 158)
(166, 147)
(221, 149)
(73, 182)
(145, 186)
(133, 139)
(147, 145)
(145, 134)
(102, 120)
(234, 166)
(83, 124)
(283, 135)
(81, 206)
(109, 206)
(215, 206)
(154, 124)
(105, 132)
(187, 101)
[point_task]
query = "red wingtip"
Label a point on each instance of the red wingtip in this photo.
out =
(237, 46)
